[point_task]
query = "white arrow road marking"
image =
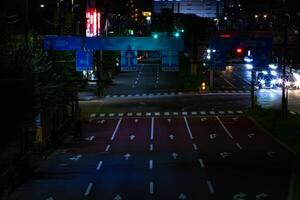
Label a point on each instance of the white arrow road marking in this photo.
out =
(88, 189)
(224, 127)
(171, 137)
(152, 128)
(195, 147)
(101, 122)
(188, 128)
(182, 196)
(90, 138)
(50, 198)
(261, 196)
(116, 129)
(150, 164)
(169, 120)
(174, 155)
(107, 147)
(131, 137)
(136, 121)
(76, 157)
(127, 156)
(99, 165)
(118, 197)
(210, 187)
(201, 163)
(239, 146)
(239, 196)
(212, 136)
(224, 154)
(62, 164)
(235, 118)
(151, 147)
(251, 135)
(271, 154)
(203, 119)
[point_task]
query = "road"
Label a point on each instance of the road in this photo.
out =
(209, 157)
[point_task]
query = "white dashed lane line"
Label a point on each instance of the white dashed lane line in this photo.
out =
(152, 129)
(107, 148)
(99, 165)
(116, 129)
(88, 189)
(151, 187)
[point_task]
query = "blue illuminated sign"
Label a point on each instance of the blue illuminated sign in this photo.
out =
(84, 61)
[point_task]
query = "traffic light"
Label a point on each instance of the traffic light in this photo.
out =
(155, 35)
(176, 34)
(239, 50)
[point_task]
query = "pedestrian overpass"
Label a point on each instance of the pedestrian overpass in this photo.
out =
(128, 46)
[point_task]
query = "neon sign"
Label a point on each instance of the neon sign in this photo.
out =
(93, 22)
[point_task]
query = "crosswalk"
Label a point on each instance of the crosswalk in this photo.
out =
(220, 92)
(166, 114)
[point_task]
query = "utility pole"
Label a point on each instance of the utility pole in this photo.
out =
(26, 22)
(284, 97)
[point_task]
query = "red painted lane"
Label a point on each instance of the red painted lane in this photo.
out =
(210, 149)
(257, 145)
(176, 127)
(102, 133)
(128, 127)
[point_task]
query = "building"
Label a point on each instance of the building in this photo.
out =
(201, 8)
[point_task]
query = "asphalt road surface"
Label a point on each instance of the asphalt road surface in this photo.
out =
(212, 157)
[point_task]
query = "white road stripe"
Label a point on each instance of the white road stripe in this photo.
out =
(99, 165)
(239, 146)
(116, 129)
(210, 187)
(201, 163)
(150, 164)
(151, 187)
(151, 147)
(88, 189)
(152, 128)
(224, 127)
(107, 147)
(195, 147)
(188, 128)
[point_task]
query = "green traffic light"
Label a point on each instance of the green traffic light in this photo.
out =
(177, 34)
(155, 35)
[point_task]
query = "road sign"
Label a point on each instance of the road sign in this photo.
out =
(130, 56)
(63, 43)
(84, 61)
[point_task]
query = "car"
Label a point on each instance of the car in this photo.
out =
(266, 80)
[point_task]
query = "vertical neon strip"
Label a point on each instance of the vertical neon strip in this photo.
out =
(95, 23)
(99, 24)
(88, 16)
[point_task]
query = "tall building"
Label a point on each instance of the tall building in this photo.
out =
(201, 8)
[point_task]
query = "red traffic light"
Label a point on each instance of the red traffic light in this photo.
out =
(239, 50)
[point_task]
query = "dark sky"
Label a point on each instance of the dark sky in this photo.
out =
(144, 4)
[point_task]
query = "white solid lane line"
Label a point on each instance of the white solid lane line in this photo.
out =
(88, 189)
(201, 163)
(239, 146)
(150, 164)
(151, 187)
(188, 128)
(224, 127)
(99, 165)
(152, 128)
(210, 187)
(116, 129)
(107, 147)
